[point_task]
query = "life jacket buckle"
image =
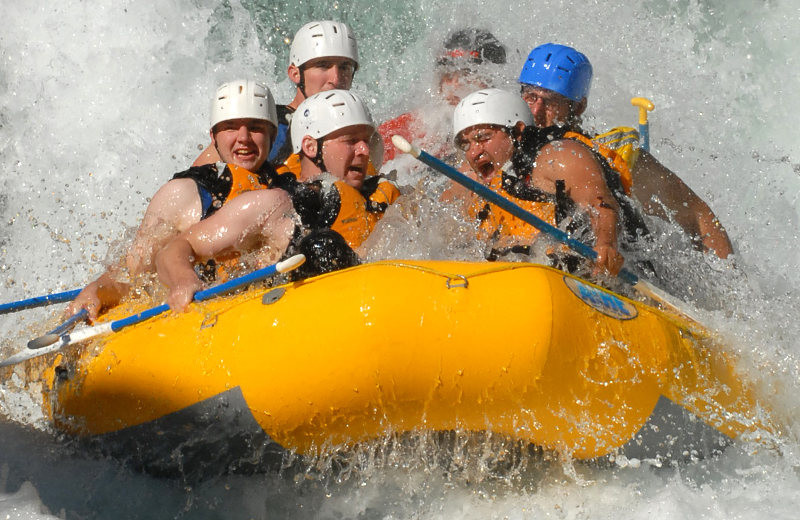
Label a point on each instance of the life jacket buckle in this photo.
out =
(462, 283)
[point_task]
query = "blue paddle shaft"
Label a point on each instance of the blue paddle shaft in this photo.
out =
(199, 296)
(39, 301)
(644, 135)
(236, 283)
(499, 200)
(138, 318)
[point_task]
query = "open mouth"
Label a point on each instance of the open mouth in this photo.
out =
(485, 170)
(357, 170)
(244, 153)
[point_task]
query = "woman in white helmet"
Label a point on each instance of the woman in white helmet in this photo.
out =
(323, 56)
(338, 204)
(242, 127)
(488, 126)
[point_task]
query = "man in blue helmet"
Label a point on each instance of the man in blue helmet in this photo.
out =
(555, 82)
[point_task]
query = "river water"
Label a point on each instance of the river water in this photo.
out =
(100, 102)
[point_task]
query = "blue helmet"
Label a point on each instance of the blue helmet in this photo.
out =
(558, 68)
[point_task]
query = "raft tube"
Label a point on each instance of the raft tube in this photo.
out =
(517, 349)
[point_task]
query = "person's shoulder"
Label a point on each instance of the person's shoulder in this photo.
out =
(568, 149)
(177, 186)
(178, 202)
(568, 160)
(260, 202)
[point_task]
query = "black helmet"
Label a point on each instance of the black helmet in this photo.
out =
(471, 46)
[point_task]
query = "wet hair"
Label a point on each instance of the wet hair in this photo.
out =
(471, 46)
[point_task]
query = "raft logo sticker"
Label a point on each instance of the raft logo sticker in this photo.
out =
(604, 302)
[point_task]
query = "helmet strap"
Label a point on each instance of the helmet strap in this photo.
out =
(515, 133)
(573, 119)
(317, 160)
(301, 86)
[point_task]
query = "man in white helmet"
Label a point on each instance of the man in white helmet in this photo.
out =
(243, 126)
(338, 203)
(323, 56)
(564, 183)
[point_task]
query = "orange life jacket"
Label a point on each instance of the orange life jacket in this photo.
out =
(360, 210)
(216, 189)
(242, 181)
(506, 229)
(217, 184)
(350, 212)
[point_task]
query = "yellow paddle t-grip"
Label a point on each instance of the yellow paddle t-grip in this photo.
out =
(645, 105)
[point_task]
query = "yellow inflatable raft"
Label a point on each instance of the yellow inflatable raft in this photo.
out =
(517, 349)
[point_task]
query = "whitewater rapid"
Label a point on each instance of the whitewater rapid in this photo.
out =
(100, 102)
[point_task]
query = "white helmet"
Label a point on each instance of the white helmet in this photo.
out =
(326, 112)
(243, 99)
(490, 106)
(325, 39)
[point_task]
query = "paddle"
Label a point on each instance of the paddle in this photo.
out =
(55, 342)
(642, 286)
(645, 105)
(39, 301)
(68, 324)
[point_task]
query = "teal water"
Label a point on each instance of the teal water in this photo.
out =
(100, 102)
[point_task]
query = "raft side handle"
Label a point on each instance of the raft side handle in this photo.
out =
(209, 321)
(463, 283)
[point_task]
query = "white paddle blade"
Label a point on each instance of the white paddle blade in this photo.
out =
(404, 146)
(290, 263)
(64, 341)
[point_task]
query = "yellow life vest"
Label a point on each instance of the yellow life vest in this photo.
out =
(622, 139)
(506, 229)
(354, 213)
(242, 181)
(360, 210)
(619, 146)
